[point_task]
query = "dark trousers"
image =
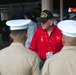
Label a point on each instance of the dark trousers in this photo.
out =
(42, 63)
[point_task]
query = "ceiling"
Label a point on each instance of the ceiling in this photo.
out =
(56, 3)
(16, 1)
(66, 3)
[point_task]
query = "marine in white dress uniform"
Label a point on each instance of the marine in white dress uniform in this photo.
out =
(16, 59)
(64, 62)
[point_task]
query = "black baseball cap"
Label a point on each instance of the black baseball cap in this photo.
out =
(45, 15)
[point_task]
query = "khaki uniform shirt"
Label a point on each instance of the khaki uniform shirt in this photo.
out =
(17, 60)
(62, 63)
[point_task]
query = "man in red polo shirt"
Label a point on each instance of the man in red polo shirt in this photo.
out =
(47, 39)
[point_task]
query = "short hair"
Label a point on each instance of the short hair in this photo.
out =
(18, 33)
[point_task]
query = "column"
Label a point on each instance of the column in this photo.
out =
(61, 9)
(47, 4)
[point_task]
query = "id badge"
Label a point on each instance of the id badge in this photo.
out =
(49, 54)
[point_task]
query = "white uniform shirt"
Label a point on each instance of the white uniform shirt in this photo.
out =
(17, 60)
(62, 63)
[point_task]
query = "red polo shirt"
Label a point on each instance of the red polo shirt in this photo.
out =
(42, 43)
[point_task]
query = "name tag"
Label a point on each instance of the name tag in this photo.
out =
(49, 54)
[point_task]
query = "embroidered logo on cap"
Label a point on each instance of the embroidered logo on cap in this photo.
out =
(43, 15)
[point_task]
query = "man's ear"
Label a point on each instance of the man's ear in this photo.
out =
(63, 40)
(51, 22)
(26, 35)
(11, 36)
